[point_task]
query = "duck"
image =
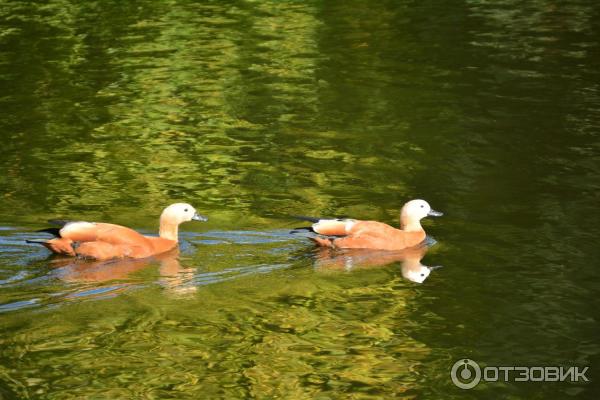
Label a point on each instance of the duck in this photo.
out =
(104, 241)
(357, 234)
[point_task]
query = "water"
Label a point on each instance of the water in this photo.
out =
(254, 111)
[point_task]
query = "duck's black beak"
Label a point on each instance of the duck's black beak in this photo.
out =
(433, 213)
(198, 217)
(435, 267)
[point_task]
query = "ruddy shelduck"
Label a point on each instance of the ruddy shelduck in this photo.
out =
(356, 234)
(102, 241)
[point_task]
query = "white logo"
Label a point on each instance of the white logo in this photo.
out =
(467, 378)
(466, 374)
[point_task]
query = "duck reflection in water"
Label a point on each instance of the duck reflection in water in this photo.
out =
(328, 259)
(173, 276)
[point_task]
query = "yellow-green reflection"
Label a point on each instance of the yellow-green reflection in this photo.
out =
(256, 110)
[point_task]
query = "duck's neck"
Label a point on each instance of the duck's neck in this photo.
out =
(410, 224)
(168, 230)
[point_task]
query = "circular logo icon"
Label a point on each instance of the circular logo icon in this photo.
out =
(465, 373)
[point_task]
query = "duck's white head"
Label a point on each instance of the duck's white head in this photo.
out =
(414, 211)
(180, 212)
(174, 215)
(418, 209)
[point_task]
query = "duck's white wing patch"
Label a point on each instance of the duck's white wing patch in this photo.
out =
(349, 224)
(78, 226)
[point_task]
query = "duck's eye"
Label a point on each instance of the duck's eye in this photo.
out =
(422, 274)
(185, 210)
(422, 206)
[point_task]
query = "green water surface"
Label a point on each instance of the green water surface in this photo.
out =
(253, 111)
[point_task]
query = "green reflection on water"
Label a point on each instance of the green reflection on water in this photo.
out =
(253, 111)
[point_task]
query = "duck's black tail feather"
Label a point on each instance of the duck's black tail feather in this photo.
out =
(55, 231)
(305, 218)
(59, 222)
(36, 241)
(302, 229)
(305, 231)
(52, 231)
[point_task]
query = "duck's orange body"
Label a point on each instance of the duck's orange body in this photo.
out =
(356, 234)
(365, 235)
(102, 241)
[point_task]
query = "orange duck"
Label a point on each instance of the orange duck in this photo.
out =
(356, 234)
(103, 241)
